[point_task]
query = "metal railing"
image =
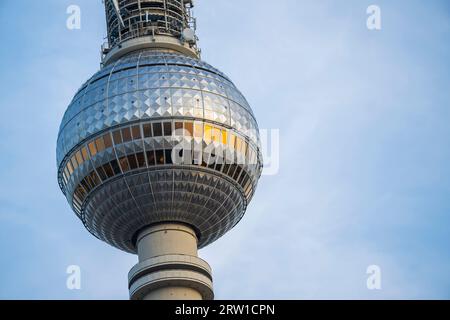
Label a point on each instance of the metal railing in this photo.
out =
(149, 18)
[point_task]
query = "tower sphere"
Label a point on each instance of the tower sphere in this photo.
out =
(115, 148)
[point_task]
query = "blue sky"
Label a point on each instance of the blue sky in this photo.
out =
(364, 166)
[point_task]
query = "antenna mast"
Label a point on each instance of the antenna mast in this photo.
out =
(139, 24)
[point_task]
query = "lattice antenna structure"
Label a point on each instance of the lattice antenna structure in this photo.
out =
(138, 24)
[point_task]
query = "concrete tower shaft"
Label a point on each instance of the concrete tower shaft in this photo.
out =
(169, 267)
(140, 24)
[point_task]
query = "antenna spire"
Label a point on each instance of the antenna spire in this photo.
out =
(158, 24)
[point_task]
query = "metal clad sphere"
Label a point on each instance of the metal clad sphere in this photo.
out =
(114, 149)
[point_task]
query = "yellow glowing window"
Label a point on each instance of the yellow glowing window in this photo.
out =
(92, 148)
(74, 163)
(238, 144)
(69, 167)
(224, 137)
(198, 130)
(189, 129)
(79, 158)
(100, 144)
(208, 132)
(85, 154)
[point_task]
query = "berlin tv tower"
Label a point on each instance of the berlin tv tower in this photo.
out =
(158, 153)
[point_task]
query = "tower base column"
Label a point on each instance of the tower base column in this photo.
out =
(169, 267)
